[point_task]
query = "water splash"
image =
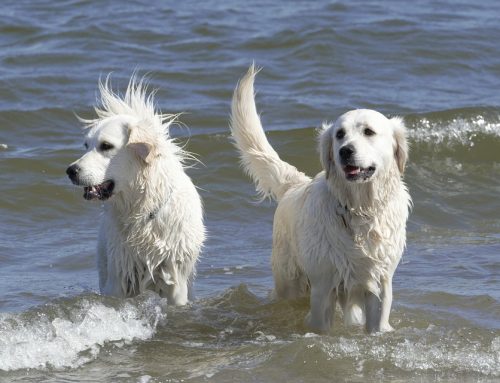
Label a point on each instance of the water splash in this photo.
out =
(453, 127)
(57, 337)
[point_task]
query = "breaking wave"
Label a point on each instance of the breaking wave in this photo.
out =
(69, 334)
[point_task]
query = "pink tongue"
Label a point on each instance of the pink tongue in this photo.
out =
(351, 170)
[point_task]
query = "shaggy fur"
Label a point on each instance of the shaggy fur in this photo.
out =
(340, 235)
(152, 230)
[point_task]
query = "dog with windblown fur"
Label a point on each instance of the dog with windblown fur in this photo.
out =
(338, 236)
(152, 230)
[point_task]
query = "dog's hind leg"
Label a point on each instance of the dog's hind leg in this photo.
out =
(354, 307)
(341, 298)
(290, 282)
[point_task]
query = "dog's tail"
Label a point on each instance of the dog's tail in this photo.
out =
(272, 176)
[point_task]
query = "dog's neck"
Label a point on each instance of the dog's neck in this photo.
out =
(367, 198)
(149, 193)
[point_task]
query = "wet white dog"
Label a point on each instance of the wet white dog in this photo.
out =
(340, 235)
(152, 230)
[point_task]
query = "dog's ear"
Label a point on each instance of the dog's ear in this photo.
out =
(400, 143)
(142, 150)
(325, 149)
(139, 145)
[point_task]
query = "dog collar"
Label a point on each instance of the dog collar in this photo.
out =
(342, 211)
(154, 213)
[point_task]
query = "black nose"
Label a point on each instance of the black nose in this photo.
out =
(346, 152)
(72, 172)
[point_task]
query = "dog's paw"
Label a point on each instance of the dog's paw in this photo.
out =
(354, 315)
(386, 328)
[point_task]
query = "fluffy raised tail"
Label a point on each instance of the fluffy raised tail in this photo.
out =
(272, 176)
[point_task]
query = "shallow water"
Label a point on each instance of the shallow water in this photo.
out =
(435, 64)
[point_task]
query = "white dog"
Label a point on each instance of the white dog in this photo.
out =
(152, 228)
(339, 235)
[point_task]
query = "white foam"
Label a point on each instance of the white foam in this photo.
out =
(459, 130)
(310, 335)
(76, 338)
(261, 337)
(420, 353)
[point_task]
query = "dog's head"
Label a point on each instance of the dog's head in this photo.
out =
(123, 141)
(363, 144)
(115, 153)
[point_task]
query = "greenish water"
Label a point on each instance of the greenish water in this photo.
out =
(436, 64)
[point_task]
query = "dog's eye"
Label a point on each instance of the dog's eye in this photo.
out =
(369, 132)
(86, 146)
(105, 146)
(340, 134)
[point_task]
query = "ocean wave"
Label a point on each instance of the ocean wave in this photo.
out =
(58, 336)
(263, 334)
(460, 126)
(237, 332)
(433, 349)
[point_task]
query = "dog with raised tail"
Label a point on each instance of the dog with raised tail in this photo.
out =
(152, 230)
(338, 236)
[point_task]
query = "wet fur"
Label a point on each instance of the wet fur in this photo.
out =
(151, 231)
(334, 239)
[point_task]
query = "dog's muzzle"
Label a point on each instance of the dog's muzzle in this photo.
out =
(101, 191)
(72, 172)
(356, 173)
(351, 170)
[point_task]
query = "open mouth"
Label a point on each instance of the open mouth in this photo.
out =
(102, 191)
(354, 173)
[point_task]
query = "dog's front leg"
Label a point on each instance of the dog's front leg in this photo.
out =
(177, 294)
(113, 286)
(386, 305)
(323, 300)
(379, 309)
(102, 260)
(176, 283)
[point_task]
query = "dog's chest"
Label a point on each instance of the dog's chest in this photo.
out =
(369, 240)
